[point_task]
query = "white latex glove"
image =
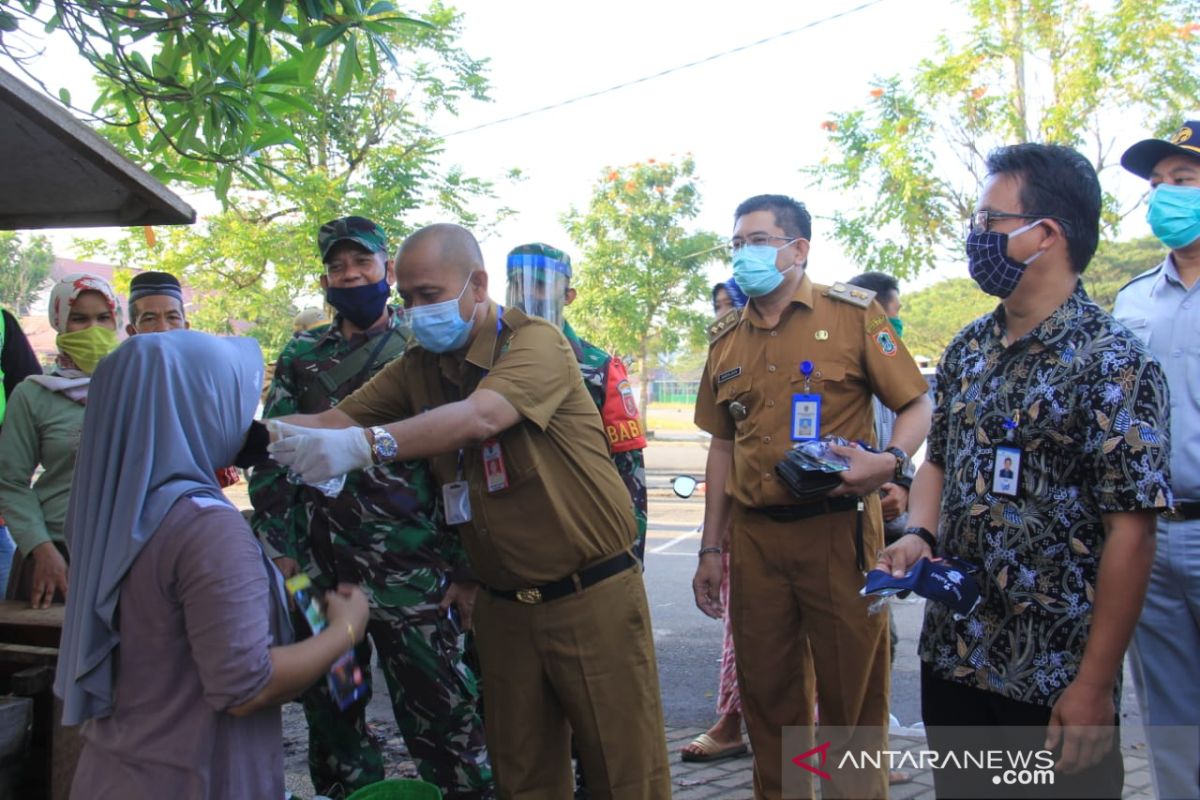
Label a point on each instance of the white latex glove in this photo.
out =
(318, 454)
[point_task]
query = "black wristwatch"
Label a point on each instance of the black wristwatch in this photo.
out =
(924, 535)
(901, 460)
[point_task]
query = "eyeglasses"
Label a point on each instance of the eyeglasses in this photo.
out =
(981, 221)
(759, 240)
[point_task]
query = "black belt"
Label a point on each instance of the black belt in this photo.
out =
(570, 584)
(831, 505)
(1181, 512)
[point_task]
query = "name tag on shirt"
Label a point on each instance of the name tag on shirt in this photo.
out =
(806, 417)
(493, 466)
(1006, 473)
(457, 501)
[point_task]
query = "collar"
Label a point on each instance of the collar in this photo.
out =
(1169, 273)
(482, 350)
(573, 340)
(334, 331)
(1054, 328)
(803, 295)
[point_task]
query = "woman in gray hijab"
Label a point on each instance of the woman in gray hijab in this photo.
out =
(174, 649)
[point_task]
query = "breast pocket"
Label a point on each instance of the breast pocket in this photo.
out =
(1140, 327)
(736, 398)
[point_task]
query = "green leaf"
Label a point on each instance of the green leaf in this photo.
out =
(224, 178)
(381, 8)
(295, 101)
(287, 73)
(274, 13)
(64, 96)
(271, 138)
(251, 47)
(348, 67)
(328, 35)
(8, 23)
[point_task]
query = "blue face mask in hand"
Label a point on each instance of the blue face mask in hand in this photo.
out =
(439, 327)
(362, 305)
(1174, 214)
(755, 271)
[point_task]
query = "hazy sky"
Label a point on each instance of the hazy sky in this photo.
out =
(750, 119)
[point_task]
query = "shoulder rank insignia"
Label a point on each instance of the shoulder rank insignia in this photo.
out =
(724, 324)
(853, 295)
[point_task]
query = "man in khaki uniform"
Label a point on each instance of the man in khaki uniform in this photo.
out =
(796, 569)
(494, 399)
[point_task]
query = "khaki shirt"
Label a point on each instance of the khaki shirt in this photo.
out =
(855, 355)
(565, 506)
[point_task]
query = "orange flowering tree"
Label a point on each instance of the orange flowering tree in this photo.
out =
(641, 275)
(911, 159)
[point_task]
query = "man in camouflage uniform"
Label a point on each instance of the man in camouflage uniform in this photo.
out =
(384, 531)
(539, 283)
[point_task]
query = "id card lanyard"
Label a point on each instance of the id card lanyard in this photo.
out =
(806, 409)
(1006, 460)
(456, 496)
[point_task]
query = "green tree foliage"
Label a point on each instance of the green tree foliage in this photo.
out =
(1063, 71)
(642, 270)
(1116, 263)
(932, 316)
(214, 83)
(24, 269)
(367, 152)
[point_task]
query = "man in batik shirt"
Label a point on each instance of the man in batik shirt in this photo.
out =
(1064, 547)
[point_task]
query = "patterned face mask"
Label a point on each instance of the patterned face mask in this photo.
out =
(993, 269)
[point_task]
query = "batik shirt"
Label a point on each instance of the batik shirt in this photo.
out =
(385, 530)
(1088, 408)
(594, 364)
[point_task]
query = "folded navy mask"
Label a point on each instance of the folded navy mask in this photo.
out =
(944, 581)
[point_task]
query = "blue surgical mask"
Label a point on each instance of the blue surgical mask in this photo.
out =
(897, 325)
(755, 271)
(362, 305)
(439, 327)
(1174, 214)
(996, 272)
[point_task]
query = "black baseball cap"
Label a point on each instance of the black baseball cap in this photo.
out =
(1141, 157)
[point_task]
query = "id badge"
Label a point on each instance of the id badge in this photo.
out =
(806, 417)
(1006, 472)
(457, 502)
(493, 466)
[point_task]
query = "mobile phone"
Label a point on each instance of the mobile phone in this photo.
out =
(346, 680)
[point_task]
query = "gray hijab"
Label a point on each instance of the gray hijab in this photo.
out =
(164, 412)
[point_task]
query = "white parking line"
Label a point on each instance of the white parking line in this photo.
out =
(681, 538)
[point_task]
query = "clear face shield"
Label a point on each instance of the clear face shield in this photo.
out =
(538, 286)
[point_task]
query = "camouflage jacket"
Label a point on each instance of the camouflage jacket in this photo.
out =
(606, 382)
(385, 530)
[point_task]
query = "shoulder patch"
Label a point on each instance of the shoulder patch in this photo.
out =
(853, 295)
(1148, 273)
(724, 324)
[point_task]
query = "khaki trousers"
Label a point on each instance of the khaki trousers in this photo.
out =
(797, 615)
(583, 664)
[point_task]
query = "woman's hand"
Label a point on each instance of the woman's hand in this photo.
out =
(347, 607)
(49, 574)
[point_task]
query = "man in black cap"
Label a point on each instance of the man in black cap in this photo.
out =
(156, 304)
(1162, 306)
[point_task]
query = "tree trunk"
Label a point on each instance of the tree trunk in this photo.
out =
(1015, 25)
(644, 371)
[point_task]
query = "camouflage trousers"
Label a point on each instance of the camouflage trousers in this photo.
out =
(434, 697)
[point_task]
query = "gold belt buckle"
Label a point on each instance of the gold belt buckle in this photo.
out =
(529, 596)
(1172, 515)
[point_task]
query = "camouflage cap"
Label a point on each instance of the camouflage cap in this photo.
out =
(539, 256)
(355, 229)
